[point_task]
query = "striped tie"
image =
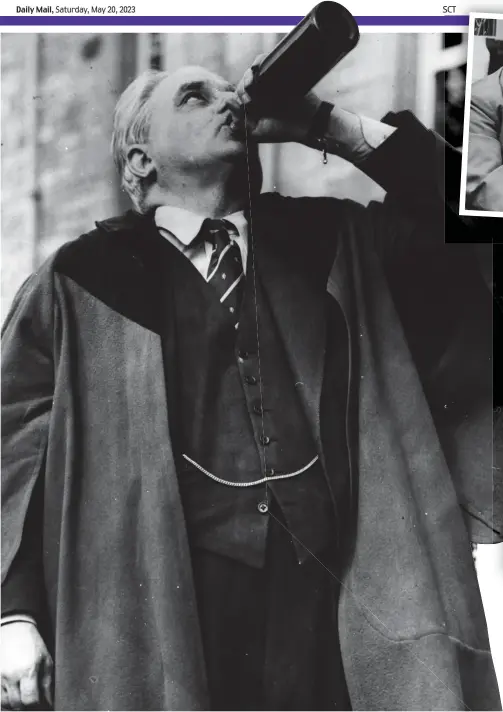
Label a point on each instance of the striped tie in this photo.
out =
(225, 272)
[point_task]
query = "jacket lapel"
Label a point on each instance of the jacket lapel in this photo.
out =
(297, 303)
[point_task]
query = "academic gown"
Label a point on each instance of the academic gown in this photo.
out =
(87, 408)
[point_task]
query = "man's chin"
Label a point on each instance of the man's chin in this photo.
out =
(233, 146)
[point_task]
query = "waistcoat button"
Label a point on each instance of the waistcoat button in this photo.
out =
(265, 440)
(263, 507)
(257, 410)
(251, 380)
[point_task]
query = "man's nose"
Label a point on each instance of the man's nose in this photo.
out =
(229, 100)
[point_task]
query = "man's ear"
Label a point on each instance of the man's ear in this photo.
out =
(139, 162)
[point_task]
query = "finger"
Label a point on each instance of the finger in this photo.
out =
(47, 689)
(28, 687)
(235, 105)
(241, 89)
(257, 62)
(244, 98)
(5, 698)
(14, 696)
(46, 680)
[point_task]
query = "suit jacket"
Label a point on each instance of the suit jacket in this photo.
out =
(87, 410)
(484, 177)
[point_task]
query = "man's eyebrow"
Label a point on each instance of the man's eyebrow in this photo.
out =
(198, 85)
(191, 86)
(188, 86)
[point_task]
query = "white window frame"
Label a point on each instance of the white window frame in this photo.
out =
(434, 58)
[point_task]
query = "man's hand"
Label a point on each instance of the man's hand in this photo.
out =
(348, 135)
(288, 121)
(26, 667)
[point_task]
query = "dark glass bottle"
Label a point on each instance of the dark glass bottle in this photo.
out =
(304, 56)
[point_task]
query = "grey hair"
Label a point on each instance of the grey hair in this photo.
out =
(131, 125)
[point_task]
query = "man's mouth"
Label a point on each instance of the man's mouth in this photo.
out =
(235, 125)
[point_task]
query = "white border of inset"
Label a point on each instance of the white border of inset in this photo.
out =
(466, 121)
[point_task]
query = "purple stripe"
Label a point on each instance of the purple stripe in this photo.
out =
(273, 20)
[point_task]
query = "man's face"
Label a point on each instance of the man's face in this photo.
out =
(193, 123)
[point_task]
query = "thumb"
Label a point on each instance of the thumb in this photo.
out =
(243, 86)
(248, 79)
(47, 680)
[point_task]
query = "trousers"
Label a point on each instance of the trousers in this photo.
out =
(270, 635)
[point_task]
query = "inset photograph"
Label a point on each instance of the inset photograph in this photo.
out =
(482, 173)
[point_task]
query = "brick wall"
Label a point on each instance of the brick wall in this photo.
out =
(58, 94)
(17, 207)
(78, 92)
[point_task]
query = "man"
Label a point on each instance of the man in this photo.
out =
(484, 177)
(226, 487)
(495, 49)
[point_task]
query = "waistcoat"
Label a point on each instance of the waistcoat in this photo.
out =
(240, 419)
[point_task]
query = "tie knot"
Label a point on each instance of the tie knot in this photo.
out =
(216, 231)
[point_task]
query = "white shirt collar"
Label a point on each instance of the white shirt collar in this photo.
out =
(186, 225)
